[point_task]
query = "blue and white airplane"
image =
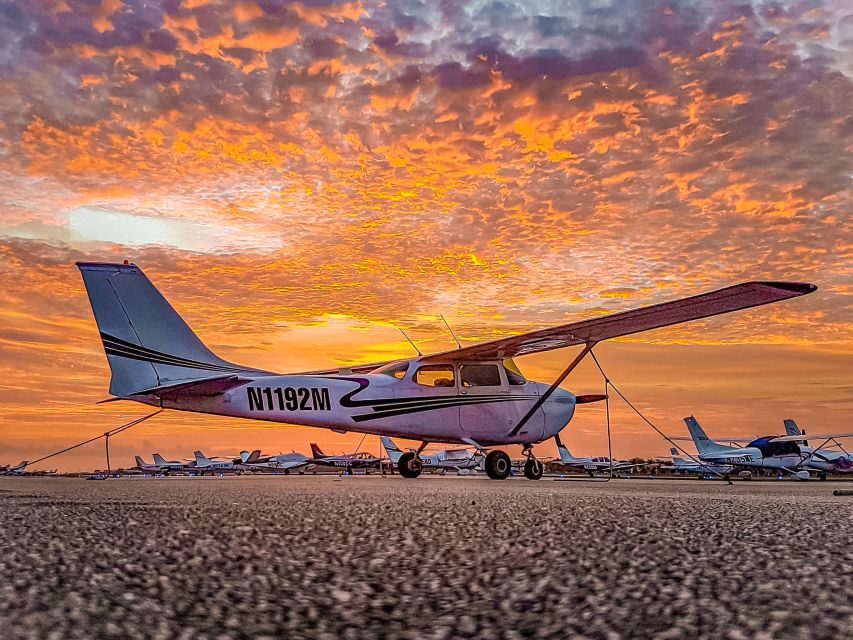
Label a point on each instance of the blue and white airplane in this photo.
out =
(447, 459)
(474, 395)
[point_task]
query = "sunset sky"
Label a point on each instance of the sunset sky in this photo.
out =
(301, 179)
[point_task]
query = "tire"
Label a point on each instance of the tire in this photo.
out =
(498, 465)
(533, 469)
(409, 465)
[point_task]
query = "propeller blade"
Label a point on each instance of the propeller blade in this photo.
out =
(590, 397)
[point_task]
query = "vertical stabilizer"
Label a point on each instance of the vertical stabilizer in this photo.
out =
(147, 343)
(566, 456)
(316, 453)
(703, 443)
(394, 452)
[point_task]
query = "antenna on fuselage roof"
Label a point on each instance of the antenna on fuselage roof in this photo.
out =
(450, 329)
(411, 342)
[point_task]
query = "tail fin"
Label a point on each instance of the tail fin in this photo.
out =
(252, 457)
(703, 443)
(791, 428)
(158, 459)
(200, 458)
(147, 343)
(140, 462)
(394, 452)
(566, 455)
(316, 452)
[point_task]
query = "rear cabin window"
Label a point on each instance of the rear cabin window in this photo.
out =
(481, 375)
(435, 375)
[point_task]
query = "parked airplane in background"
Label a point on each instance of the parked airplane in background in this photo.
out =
(203, 464)
(685, 465)
(170, 465)
(452, 459)
(18, 470)
(285, 462)
(820, 458)
(473, 395)
(346, 461)
(146, 467)
(592, 465)
(768, 452)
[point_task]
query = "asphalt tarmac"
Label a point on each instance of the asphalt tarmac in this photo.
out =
(372, 557)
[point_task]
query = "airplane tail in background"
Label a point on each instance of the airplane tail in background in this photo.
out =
(316, 452)
(566, 455)
(677, 460)
(200, 459)
(394, 452)
(140, 462)
(791, 428)
(703, 443)
(148, 345)
(158, 459)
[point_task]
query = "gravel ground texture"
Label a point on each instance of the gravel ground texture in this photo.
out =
(371, 557)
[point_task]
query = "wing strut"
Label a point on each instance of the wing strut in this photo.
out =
(544, 397)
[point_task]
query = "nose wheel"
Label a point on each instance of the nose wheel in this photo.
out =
(533, 468)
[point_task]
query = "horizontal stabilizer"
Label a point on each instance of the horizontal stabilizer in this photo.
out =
(204, 387)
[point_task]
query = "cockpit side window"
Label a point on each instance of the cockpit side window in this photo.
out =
(395, 370)
(480, 375)
(435, 375)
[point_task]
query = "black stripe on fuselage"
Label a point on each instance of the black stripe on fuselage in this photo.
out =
(419, 408)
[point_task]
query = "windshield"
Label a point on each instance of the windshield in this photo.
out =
(395, 370)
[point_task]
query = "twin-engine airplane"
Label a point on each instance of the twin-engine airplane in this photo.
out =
(473, 395)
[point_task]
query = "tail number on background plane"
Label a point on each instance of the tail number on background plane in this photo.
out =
(289, 398)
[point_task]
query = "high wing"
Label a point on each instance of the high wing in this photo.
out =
(812, 437)
(718, 439)
(737, 297)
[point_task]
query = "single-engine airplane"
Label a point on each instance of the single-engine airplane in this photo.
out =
(452, 459)
(473, 395)
(592, 465)
(285, 462)
(684, 465)
(345, 461)
(18, 470)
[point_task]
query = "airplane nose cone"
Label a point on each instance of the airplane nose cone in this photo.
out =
(560, 410)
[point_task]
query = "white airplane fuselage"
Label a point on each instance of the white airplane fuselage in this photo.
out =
(752, 457)
(382, 404)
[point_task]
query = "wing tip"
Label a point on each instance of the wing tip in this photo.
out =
(797, 288)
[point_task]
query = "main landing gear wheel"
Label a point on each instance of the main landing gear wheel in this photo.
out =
(498, 465)
(409, 465)
(533, 469)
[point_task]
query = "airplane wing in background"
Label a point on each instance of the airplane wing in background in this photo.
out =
(812, 437)
(706, 305)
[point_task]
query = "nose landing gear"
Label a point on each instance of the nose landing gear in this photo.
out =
(533, 468)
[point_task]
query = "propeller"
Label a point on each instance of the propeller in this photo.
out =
(590, 397)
